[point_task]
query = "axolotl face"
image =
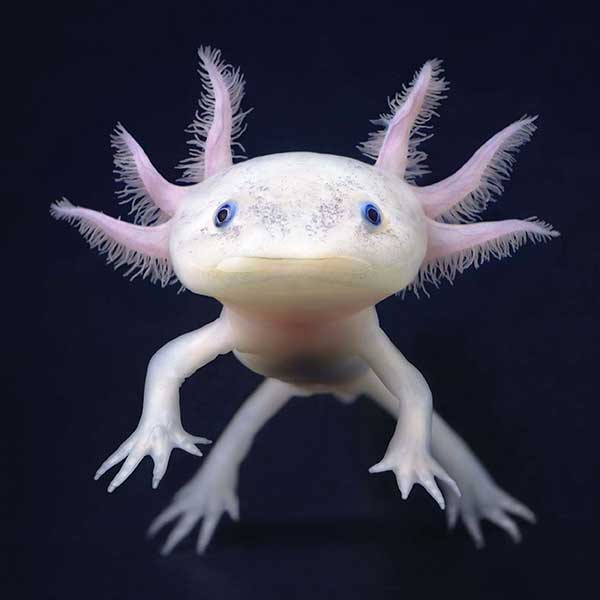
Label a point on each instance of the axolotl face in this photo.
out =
(299, 232)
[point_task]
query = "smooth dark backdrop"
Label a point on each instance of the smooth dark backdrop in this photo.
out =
(509, 350)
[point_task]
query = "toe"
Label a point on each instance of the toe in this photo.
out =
(428, 482)
(405, 484)
(133, 460)
(518, 508)
(233, 506)
(474, 528)
(209, 524)
(188, 446)
(200, 440)
(161, 462)
(380, 467)
(111, 461)
(183, 527)
(163, 518)
(441, 474)
(452, 507)
(505, 522)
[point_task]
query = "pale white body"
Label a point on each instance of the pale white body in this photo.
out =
(299, 248)
(298, 293)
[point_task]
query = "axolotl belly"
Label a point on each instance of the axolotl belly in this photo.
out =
(305, 368)
(304, 354)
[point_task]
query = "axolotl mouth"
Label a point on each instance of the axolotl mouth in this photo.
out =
(329, 268)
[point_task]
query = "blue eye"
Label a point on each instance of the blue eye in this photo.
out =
(371, 213)
(224, 214)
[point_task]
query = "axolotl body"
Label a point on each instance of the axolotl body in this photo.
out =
(298, 248)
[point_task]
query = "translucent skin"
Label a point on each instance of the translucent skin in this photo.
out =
(299, 264)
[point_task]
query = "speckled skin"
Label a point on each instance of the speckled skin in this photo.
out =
(300, 205)
(299, 248)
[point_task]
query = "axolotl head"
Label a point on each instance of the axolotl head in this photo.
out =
(300, 232)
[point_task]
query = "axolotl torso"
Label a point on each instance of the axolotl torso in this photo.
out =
(299, 247)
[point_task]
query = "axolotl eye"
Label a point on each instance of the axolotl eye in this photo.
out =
(224, 214)
(371, 213)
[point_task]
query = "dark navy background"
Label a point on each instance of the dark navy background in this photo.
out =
(510, 351)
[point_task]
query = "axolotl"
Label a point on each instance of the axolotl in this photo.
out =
(298, 248)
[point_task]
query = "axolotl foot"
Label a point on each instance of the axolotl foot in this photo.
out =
(156, 440)
(417, 467)
(486, 501)
(207, 496)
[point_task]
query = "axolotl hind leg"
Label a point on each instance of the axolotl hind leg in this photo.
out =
(481, 498)
(213, 490)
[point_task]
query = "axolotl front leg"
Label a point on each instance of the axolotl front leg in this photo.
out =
(408, 454)
(160, 429)
(481, 497)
